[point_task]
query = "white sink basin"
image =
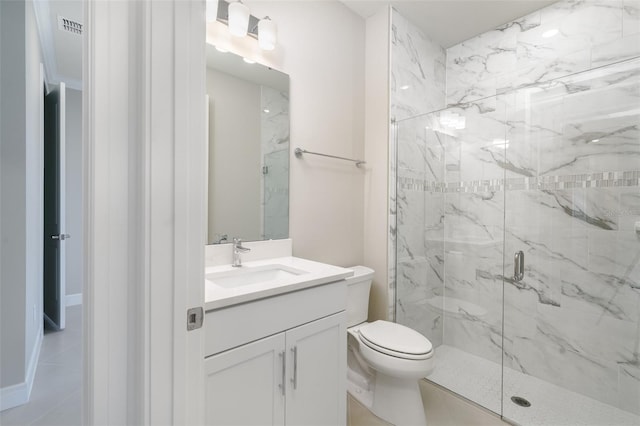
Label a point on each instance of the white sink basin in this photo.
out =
(226, 286)
(244, 275)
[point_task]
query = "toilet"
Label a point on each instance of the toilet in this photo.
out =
(385, 360)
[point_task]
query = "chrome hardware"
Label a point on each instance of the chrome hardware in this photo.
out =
(281, 385)
(61, 237)
(299, 151)
(195, 318)
(237, 249)
(294, 380)
(518, 266)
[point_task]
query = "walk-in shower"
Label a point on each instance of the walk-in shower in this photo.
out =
(547, 177)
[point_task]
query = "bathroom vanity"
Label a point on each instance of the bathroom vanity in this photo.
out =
(275, 343)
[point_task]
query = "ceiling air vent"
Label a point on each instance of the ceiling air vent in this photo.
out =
(69, 25)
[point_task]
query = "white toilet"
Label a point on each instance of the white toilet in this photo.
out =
(385, 359)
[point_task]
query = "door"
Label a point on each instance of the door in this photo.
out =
(54, 209)
(245, 386)
(572, 249)
(316, 364)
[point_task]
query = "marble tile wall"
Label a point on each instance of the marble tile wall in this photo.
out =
(565, 38)
(417, 84)
(274, 140)
(551, 169)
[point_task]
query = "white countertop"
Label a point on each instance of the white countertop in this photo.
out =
(316, 273)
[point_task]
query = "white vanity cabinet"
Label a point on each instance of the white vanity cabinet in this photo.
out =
(242, 384)
(294, 376)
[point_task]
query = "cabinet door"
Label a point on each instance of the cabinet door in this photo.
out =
(316, 376)
(245, 385)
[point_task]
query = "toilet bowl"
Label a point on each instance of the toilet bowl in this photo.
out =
(385, 360)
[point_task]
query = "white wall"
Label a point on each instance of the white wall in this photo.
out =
(74, 192)
(234, 157)
(321, 47)
(13, 191)
(34, 172)
(376, 195)
(21, 225)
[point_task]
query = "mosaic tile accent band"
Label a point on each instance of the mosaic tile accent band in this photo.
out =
(543, 183)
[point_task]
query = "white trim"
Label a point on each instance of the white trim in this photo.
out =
(71, 83)
(42, 13)
(144, 76)
(19, 394)
(62, 197)
(73, 299)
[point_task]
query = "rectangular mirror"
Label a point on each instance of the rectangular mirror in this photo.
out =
(248, 159)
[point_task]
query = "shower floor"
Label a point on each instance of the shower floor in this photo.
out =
(479, 380)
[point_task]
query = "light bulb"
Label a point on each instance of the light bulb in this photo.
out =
(267, 34)
(238, 19)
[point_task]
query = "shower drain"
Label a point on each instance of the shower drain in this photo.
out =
(518, 400)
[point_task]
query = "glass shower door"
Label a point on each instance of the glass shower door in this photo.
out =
(449, 248)
(572, 250)
(275, 202)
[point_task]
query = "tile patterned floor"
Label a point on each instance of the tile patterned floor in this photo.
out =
(57, 388)
(480, 380)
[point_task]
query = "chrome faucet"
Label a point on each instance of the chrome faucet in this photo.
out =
(237, 249)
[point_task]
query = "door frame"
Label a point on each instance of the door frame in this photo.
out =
(143, 177)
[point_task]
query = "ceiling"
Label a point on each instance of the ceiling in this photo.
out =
(450, 22)
(61, 50)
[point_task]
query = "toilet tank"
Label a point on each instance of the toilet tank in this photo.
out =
(358, 287)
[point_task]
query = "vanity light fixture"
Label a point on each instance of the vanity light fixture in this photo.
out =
(241, 23)
(267, 34)
(550, 33)
(238, 19)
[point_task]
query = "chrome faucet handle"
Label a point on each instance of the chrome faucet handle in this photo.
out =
(237, 245)
(237, 249)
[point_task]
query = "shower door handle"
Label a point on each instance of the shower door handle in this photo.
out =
(518, 266)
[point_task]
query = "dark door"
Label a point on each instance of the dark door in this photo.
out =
(54, 236)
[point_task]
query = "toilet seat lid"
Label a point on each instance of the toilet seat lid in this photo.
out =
(395, 340)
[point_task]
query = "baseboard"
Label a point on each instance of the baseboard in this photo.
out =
(73, 299)
(19, 394)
